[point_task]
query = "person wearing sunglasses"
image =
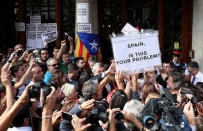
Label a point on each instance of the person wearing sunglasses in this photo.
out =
(53, 66)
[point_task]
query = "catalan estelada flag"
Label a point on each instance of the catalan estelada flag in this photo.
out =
(87, 45)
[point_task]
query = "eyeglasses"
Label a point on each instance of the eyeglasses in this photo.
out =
(54, 65)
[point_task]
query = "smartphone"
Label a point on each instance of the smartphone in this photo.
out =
(67, 116)
(67, 41)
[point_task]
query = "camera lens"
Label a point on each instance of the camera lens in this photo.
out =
(148, 121)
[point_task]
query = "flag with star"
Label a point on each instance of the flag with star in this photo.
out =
(87, 45)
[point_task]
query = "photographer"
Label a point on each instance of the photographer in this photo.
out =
(36, 75)
(78, 109)
(20, 76)
(5, 79)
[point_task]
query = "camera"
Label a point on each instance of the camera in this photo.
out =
(67, 116)
(119, 116)
(20, 52)
(34, 91)
(162, 108)
(98, 113)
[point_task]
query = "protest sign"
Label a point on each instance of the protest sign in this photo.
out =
(85, 28)
(82, 13)
(42, 27)
(37, 33)
(31, 35)
(52, 27)
(35, 19)
(20, 26)
(136, 53)
(129, 30)
(49, 36)
(31, 27)
(34, 43)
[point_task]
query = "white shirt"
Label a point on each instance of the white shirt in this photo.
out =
(198, 78)
(25, 128)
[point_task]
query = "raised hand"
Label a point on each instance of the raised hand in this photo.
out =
(78, 124)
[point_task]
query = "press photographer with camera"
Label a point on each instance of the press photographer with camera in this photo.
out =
(166, 114)
(20, 75)
(9, 114)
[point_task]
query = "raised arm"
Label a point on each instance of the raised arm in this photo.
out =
(47, 111)
(9, 62)
(119, 77)
(8, 117)
(5, 78)
(25, 76)
(71, 45)
(25, 53)
(63, 46)
(128, 85)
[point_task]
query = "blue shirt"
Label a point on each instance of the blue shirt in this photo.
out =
(47, 77)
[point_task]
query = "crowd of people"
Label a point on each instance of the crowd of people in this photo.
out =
(55, 91)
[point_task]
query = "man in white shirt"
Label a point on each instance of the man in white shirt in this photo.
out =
(196, 75)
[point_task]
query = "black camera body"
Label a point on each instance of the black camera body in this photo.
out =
(34, 91)
(67, 116)
(162, 108)
(98, 113)
(20, 52)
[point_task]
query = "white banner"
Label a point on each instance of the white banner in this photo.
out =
(49, 36)
(82, 13)
(20, 26)
(134, 54)
(35, 19)
(85, 28)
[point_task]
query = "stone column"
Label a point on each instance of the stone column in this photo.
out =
(92, 15)
(197, 32)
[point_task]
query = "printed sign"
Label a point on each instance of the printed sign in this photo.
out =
(42, 27)
(85, 28)
(20, 26)
(35, 19)
(38, 33)
(49, 36)
(31, 35)
(136, 53)
(52, 27)
(31, 27)
(128, 29)
(82, 13)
